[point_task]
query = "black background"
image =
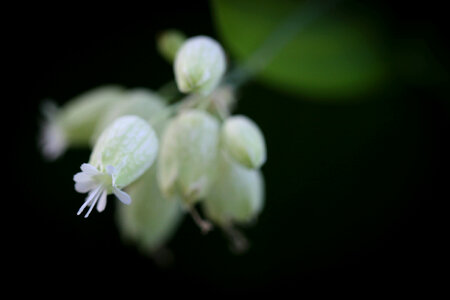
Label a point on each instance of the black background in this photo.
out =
(355, 193)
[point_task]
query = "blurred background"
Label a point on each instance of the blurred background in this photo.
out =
(357, 169)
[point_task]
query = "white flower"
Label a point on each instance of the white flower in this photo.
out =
(99, 185)
(73, 123)
(53, 140)
(123, 152)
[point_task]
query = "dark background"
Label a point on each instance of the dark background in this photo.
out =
(355, 193)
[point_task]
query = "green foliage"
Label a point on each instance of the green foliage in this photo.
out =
(334, 53)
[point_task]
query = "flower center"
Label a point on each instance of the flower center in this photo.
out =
(105, 180)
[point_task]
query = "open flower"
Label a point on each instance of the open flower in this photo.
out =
(123, 152)
(98, 185)
(53, 140)
(72, 124)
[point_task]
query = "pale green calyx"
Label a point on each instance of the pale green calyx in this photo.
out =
(199, 65)
(140, 102)
(151, 219)
(188, 155)
(74, 123)
(169, 42)
(123, 152)
(236, 196)
(244, 142)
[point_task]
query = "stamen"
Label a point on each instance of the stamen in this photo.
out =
(95, 199)
(89, 198)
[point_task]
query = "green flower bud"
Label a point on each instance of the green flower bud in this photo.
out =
(188, 155)
(169, 42)
(151, 219)
(74, 123)
(244, 141)
(139, 102)
(236, 196)
(199, 65)
(123, 152)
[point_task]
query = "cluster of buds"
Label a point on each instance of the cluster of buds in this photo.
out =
(163, 159)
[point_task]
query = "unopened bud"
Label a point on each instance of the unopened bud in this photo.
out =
(188, 155)
(151, 219)
(236, 196)
(199, 65)
(244, 141)
(169, 42)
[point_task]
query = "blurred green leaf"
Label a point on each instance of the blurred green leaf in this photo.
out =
(339, 54)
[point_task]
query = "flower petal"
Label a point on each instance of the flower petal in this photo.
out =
(110, 170)
(85, 186)
(102, 202)
(122, 196)
(89, 169)
(82, 177)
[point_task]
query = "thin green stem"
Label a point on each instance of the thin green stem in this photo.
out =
(296, 21)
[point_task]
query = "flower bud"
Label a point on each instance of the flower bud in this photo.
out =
(236, 196)
(199, 65)
(123, 152)
(188, 155)
(151, 219)
(169, 42)
(244, 141)
(138, 102)
(74, 123)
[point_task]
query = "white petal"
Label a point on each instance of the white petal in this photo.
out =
(110, 170)
(85, 186)
(89, 198)
(82, 177)
(89, 169)
(122, 196)
(102, 202)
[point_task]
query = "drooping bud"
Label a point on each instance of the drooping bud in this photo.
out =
(123, 152)
(199, 65)
(169, 42)
(74, 123)
(244, 142)
(151, 219)
(236, 196)
(139, 102)
(188, 155)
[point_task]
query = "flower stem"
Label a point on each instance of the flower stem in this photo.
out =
(298, 19)
(204, 225)
(238, 242)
